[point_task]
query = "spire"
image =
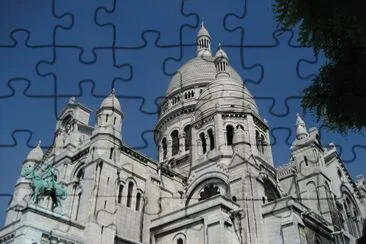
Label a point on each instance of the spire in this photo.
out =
(301, 131)
(221, 62)
(203, 42)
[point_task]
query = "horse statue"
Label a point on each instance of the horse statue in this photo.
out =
(45, 185)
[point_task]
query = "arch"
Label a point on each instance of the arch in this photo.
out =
(218, 178)
(229, 134)
(203, 142)
(257, 140)
(212, 139)
(351, 211)
(175, 142)
(78, 172)
(181, 237)
(270, 190)
(208, 191)
(129, 193)
(120, 193)
(262, 143)
(138, 201)
(165, 147)
(188, 137)
(312, 195)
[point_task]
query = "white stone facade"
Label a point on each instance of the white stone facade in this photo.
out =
(214, 180)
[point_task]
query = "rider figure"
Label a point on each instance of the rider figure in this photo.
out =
(50, 177)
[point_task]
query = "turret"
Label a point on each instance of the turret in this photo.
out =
(221, 63)
(203, 42)
(107, 132)
(301, 131)
(23, 190)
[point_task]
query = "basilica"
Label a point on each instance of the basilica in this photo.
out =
(214, 180)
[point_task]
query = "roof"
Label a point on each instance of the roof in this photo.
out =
(198, 71)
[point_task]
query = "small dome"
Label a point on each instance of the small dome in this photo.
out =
(225, 94)
(198, 71)
(111, 102)
(221, 53)
(36, 154)
(301, 130)
(202, 31)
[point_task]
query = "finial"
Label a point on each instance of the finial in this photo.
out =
(219, 46)
(202, 23)
(39, 143)
(72, 100)
(113, 91)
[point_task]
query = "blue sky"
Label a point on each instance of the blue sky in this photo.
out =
(51, 50)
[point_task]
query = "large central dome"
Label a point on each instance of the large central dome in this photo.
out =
(197, 71)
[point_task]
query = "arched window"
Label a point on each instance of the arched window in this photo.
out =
(138, 201)
(209, 191)
(111, 153)
(165, 147)
(257, 140)
(129, 194)
(229, 134)
(175, 142)
(204, 144)
(187, 140)
(212, 139)
(262, 143)
(270, 191)
(306, 161)
(180, 241)
(106, 117)
(114, 120)
(120, 191)
(80, 174)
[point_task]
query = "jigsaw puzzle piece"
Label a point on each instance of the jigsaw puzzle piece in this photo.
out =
(85, 34)
(119, 16)
(307, 68)
(67, 60)
(202, 10)
(19, 62)
(257, 29)
(26, 118)
(142, 84)
(276, 63)
(38, 18)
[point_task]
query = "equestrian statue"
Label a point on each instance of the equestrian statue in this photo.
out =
(45, 185)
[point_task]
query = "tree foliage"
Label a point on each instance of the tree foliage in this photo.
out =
(337, 95)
